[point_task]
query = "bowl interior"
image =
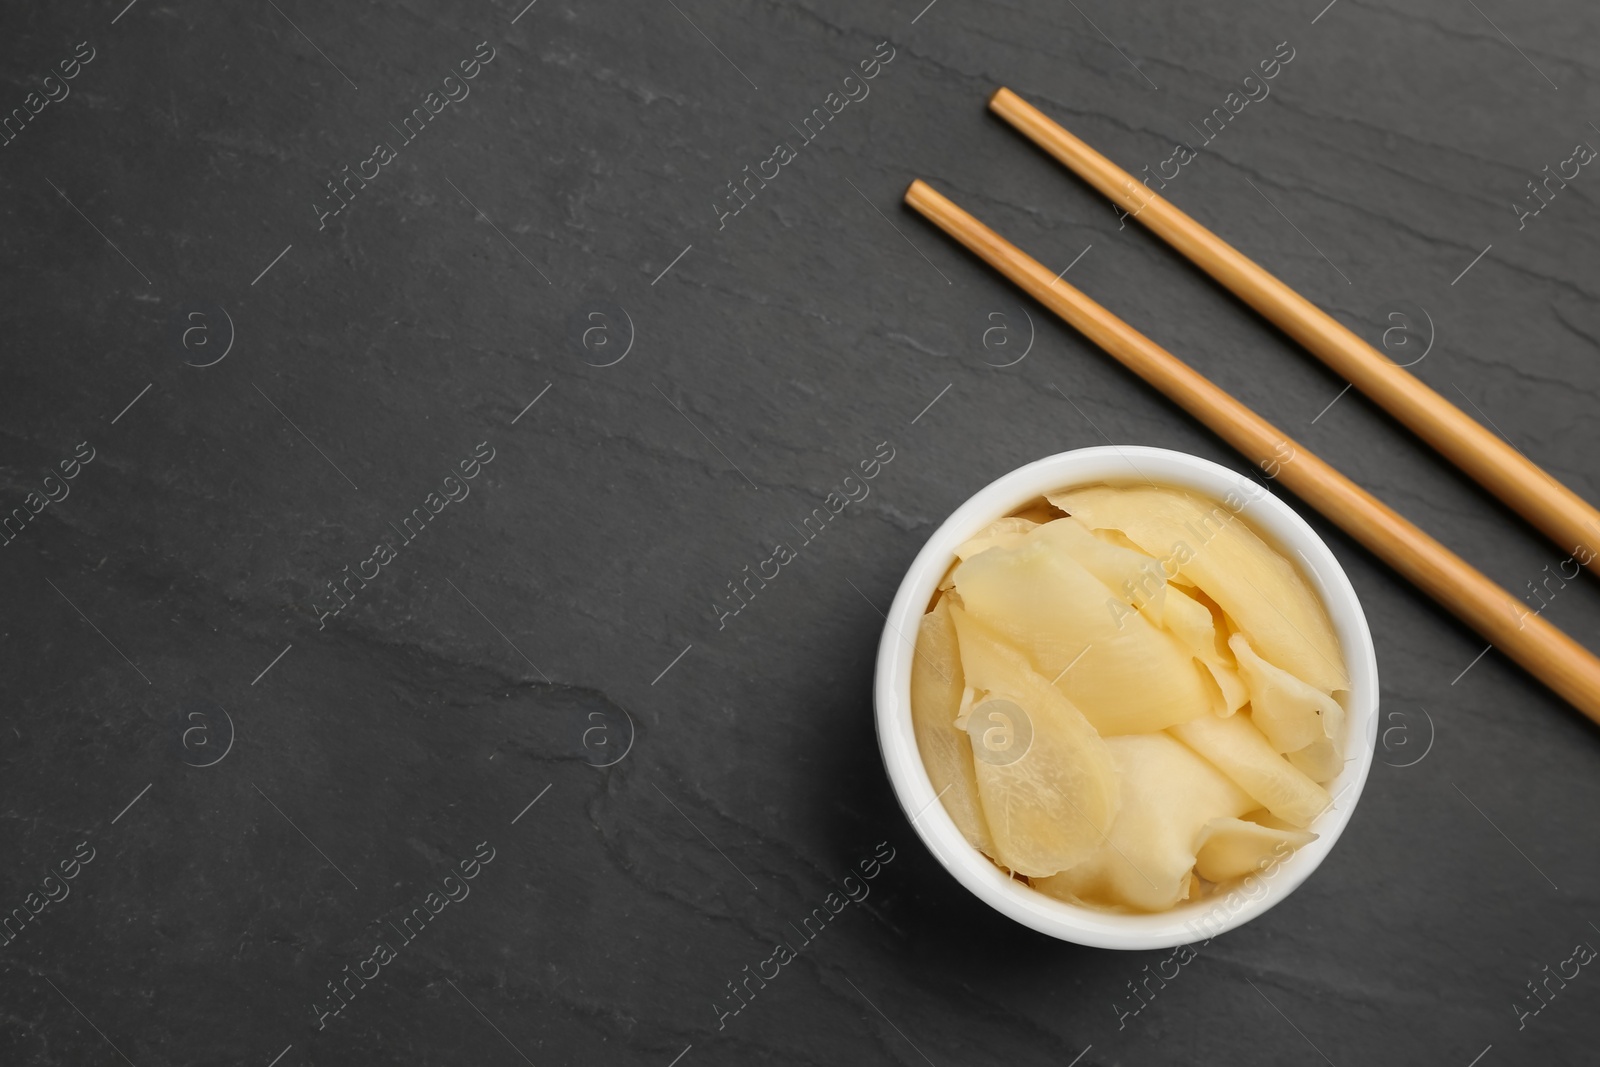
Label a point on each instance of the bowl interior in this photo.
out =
(1281, 527)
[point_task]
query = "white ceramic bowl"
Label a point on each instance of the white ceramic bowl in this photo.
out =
(1191, 921)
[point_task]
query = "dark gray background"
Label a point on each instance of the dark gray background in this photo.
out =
(770, 359)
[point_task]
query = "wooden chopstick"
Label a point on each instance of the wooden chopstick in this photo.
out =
(1570, 521)
(1507, 623)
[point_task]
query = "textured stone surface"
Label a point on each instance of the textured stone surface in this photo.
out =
(522, 638)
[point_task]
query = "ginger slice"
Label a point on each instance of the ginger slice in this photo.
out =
(1050, 799)
(936, 689)
(1302, 722)
(1194, 625)
(1126, 674)
(1264, 594)
(1169, 795)
(1229, 848)
(1243, 753)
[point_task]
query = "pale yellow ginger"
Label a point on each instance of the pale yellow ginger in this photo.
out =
(1128, 697)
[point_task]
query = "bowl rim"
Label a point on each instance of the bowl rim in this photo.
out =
(1281, 526)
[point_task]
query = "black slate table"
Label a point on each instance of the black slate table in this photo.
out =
(393, 392)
